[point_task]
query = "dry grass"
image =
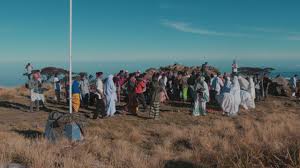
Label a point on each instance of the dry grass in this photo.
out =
(266, 137)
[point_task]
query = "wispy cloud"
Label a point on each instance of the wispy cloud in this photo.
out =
(186, 27)
(274, 30)
(294, 38)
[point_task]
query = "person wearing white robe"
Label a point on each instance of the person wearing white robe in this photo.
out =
(236, 92)
(227, 85)
(246, 100)
(251, 89)
(226, 99)
(201, 97)
(110, 96)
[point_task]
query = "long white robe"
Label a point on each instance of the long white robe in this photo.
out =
(236, 92)
(200, 102)
(251, 89)
(246, 100)
(226, 101)
(110, 96)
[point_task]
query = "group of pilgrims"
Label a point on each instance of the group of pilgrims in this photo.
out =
(142, 92)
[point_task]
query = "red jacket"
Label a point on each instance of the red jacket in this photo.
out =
(140, 87)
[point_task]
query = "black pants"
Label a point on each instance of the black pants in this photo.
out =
(213, 94)
(29, 76)
(57, 94)
(258, 95)
(141, 99)
(100, 108)
(85, 100)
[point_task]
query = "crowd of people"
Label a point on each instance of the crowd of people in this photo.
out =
(147, 91)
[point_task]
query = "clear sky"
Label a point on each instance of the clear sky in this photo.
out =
(37, 30)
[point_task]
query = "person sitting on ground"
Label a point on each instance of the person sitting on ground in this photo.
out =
(201, 96)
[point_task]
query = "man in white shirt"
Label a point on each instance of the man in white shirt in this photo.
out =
(100, 104)
(57, 87)
(85, 90)
(29, 69)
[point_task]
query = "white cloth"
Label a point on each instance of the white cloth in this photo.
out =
(293, 82)
(226, 101)
(236, 92)
(244, 84)
(36, 96)
(227, 86)
(111, 96)
(246, 100)
(99, 88)
(84, 87)
(251, 89)
(55, 79)
(29, 69)
(217, 84)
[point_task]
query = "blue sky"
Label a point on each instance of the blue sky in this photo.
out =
(110, 30)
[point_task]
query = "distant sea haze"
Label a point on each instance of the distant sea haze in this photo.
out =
(11, 74)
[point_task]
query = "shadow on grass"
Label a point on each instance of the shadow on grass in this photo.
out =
(179, 164)
(31, 134)
(18, 106)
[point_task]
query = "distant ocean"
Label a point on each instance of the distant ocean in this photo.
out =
(11, 74)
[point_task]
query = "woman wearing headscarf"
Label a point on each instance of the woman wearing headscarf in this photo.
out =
(227, 85)
(236, 92)
(110, 96)
(251, 89)
(247, 98)
(201, 97)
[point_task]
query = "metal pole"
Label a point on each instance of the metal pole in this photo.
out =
(70, 60)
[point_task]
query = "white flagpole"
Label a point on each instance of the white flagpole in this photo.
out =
(70, 60)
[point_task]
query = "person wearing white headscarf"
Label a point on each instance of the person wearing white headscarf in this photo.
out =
(201, 98)
(110, 96)
(236, 92)
(251, 89)
(227, 85)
